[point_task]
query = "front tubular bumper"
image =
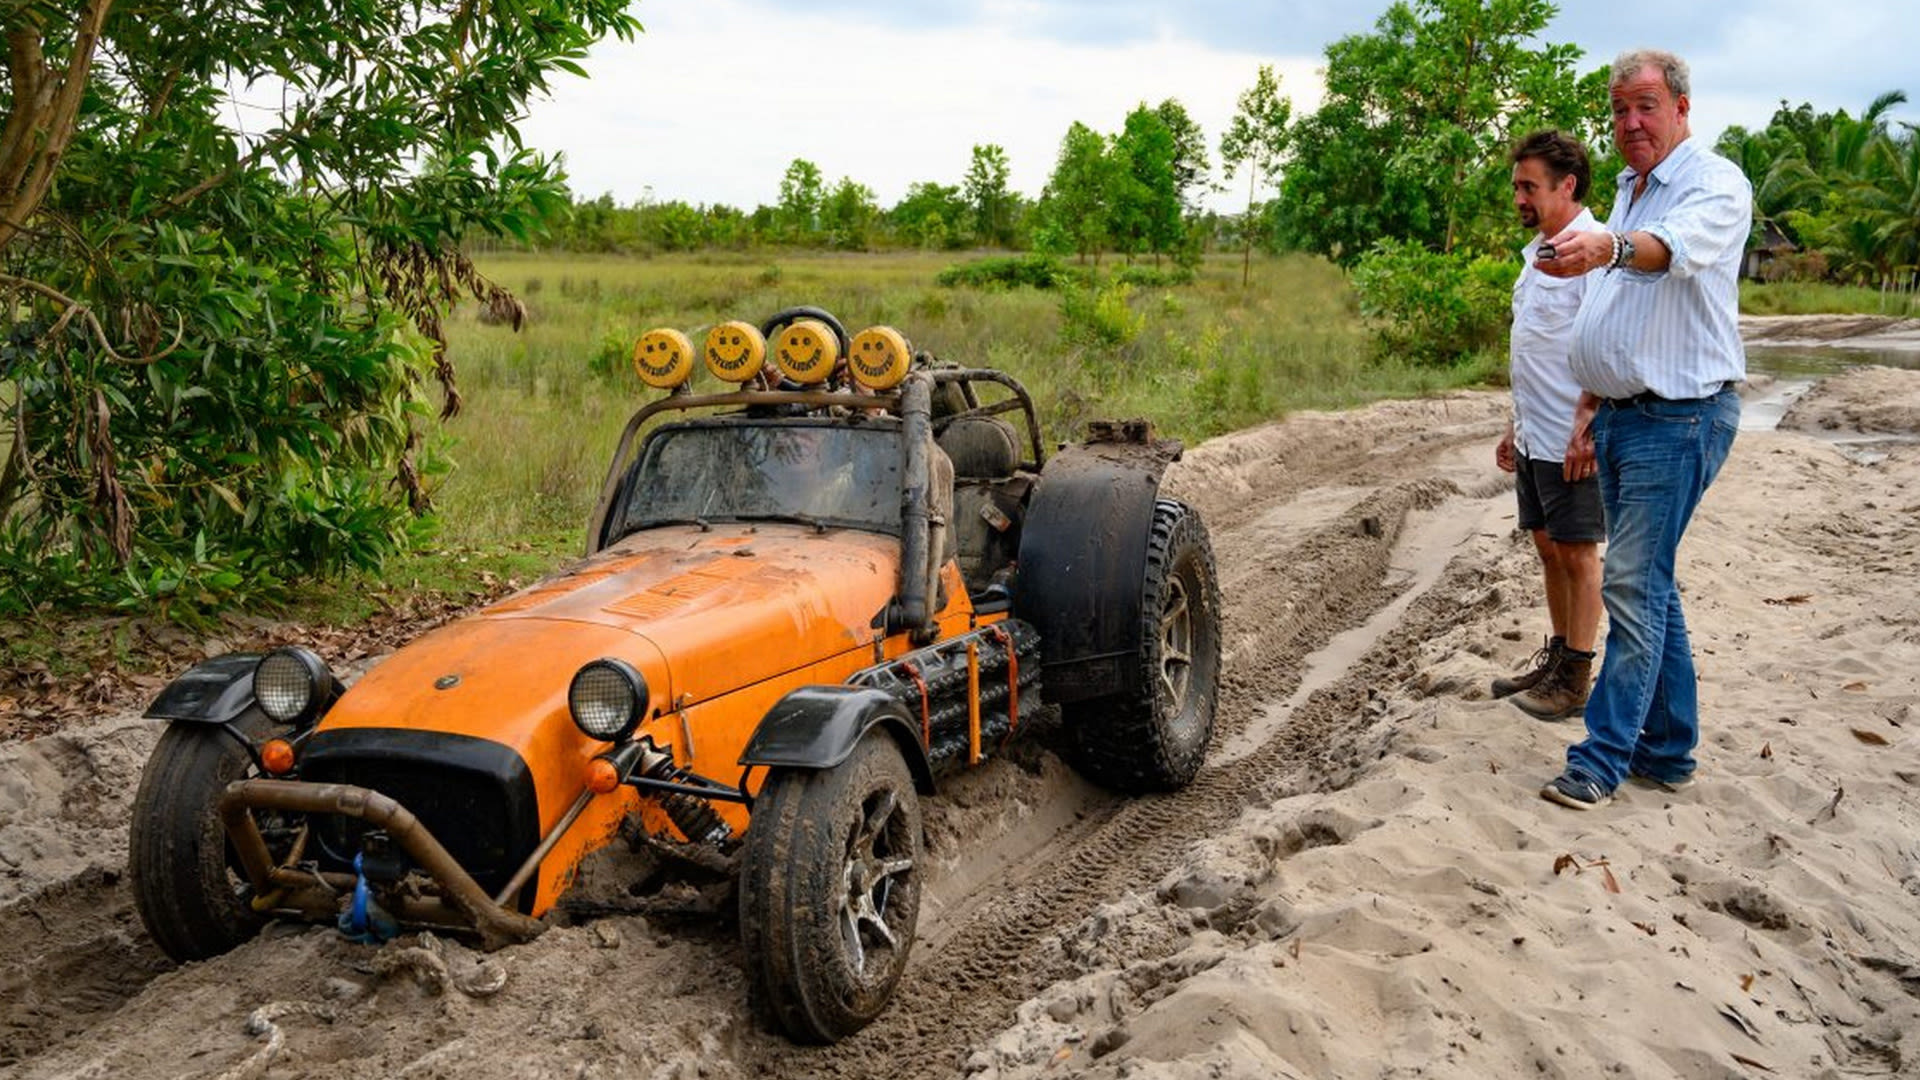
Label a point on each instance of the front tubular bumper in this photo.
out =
(463, 904)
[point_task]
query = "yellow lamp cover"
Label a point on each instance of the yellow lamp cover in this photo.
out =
(663, 358)
(806, 351)
(879, 357)
(735, 351)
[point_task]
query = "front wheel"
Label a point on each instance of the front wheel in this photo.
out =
(186, 884)
(1154, 737)
(830, 891)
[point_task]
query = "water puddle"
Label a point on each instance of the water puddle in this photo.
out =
(1791, 371)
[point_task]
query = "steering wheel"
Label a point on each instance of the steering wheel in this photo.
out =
(793, 314)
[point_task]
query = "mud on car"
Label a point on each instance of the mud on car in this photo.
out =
(808, 596)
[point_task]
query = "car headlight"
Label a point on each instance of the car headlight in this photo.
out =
(607, 699)
(290, 684)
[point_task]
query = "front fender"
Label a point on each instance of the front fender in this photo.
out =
(817, 727)
(213, 692)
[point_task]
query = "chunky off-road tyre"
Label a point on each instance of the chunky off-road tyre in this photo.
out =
(830, 892)
(185, 883)
(1154, 738)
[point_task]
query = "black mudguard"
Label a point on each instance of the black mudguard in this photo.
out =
(214, 692)
(1083, 560)
(817, 727)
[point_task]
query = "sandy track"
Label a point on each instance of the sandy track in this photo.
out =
(1305, 517)
(1350, 548)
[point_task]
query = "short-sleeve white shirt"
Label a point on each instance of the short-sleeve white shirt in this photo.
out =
(1544, 389)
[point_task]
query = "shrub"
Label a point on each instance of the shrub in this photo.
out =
(614, 352)
(1100, 317)
(1154, 277)
(1433, 308)
(1033, 271)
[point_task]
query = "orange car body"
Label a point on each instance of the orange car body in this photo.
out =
(723, 622)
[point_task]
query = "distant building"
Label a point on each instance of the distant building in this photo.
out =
(1766, 244)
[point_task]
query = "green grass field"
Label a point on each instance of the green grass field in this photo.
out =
(544, 407)
(1819, 298)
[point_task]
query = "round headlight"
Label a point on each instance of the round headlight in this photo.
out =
(607, 699)
(288, 683)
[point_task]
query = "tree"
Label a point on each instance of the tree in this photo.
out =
(987, 195)
(847, 215)
(1190, 165)
(1257, 139)
(1410, 140)
(217, 337)
(1146, 199)
(1841, 185)
(932, 216)
(802, 191)
(1077, 205)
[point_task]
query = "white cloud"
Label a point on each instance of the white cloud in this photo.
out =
(713, 101)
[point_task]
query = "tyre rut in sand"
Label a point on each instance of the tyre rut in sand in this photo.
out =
(999, 956)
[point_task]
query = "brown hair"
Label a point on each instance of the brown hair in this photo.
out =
(1563, 156)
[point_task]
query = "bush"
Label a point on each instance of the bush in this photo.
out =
(1154, 277)
(1433, 308)
(1032, 271)
(1100, 317)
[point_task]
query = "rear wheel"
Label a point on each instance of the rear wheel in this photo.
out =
(186, 882)
(1154, 737)
(830, 891)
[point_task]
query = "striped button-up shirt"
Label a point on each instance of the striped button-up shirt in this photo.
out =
(1676, 331)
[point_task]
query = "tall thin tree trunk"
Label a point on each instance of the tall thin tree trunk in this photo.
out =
(1246, 264)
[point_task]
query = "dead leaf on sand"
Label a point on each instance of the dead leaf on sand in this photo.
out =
(1766, 752)
(1749, 1062)
(1607, 880)
(1856, 686)
(1869, 737)
(1785, 601)
(1746, 982)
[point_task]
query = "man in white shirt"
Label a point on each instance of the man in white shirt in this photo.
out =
(1557, 491)
(1656, 348)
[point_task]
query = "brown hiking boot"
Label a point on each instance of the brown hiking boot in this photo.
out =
(1563, 692)
(1537, 668)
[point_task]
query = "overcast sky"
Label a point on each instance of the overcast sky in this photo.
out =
(714, 100)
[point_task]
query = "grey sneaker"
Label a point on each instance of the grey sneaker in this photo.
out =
(1575, 790)
(1538, 668)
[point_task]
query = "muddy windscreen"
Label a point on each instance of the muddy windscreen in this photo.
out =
(831, 476)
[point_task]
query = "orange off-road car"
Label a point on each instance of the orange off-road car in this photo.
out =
(809, 596)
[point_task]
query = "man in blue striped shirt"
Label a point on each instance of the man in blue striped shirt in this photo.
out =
(1656, 350)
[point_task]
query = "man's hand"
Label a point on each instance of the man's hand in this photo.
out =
(1575, 252)
(1503, 453)
(1579, 462)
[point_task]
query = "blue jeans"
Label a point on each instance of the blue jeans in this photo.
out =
(1655, 459)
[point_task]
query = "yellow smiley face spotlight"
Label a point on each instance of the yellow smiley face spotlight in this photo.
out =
(663, 358)
(735, 351)
(806, 351)
(879, 357)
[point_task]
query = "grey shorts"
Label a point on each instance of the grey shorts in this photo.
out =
(1569, 512)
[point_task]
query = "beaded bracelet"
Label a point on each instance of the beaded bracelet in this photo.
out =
(1622, 250)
